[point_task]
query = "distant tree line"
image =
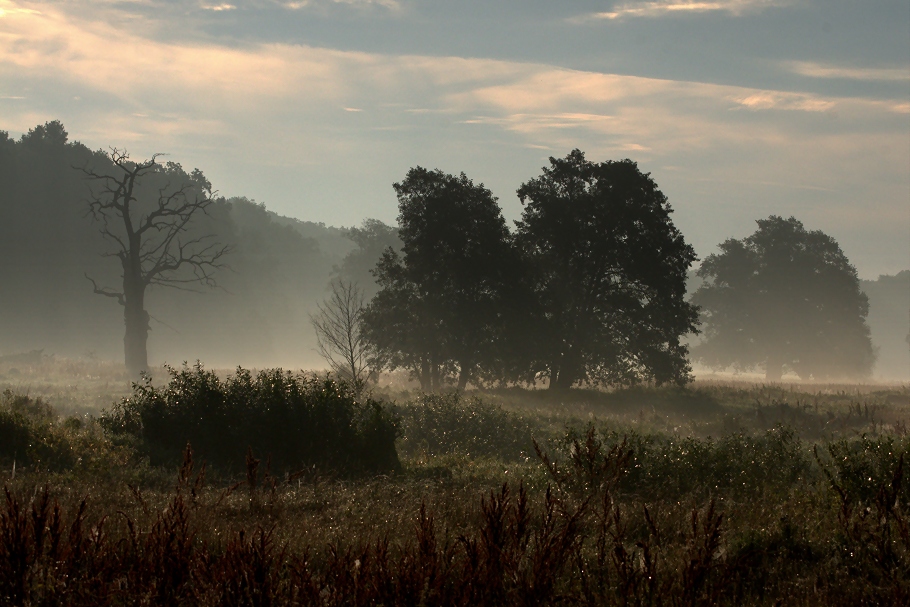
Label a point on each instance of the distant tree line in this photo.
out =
(588, 288)
(276, 272)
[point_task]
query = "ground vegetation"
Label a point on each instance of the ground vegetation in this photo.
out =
(714, 493)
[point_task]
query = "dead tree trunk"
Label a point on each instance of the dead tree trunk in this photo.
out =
(148, 228)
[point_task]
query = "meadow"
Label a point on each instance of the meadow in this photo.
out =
(722, 492)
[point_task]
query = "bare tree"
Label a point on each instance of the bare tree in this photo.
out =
(151, 231)
(339, 334)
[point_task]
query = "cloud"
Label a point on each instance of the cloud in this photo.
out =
(819, 70)
(272, 120)
(300, 4)
(679, 7)
(7, 8)
(777, 100)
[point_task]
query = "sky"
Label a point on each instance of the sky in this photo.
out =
(739, 109)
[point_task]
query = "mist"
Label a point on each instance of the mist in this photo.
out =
(258, 311)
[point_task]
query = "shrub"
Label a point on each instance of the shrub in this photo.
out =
(440, 424)
(32, 435)
(861, 466)
(668, 467)
(296, 421)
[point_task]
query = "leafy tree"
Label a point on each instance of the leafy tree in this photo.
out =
(784, 298)
(46, 243)
(437, 307)
(147, 213)
(372, 239)
(609, 272)
(889, 323)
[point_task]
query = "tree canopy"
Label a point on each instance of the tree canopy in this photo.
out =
(784, 299)
(437, 306)
(609, 270)
(371, 240)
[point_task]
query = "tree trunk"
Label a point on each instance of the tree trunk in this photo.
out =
(563, 374)
(464, 374)
(434, 375)
(425, 381)
(135, 340)
(136, 319)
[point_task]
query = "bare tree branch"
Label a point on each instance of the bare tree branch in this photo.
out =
(339, 335)
(106, 292)
(150, 232)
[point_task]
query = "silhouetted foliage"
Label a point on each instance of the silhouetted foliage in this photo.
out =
(372, 239)
(889, 323)
(295, 421)
(438, 308)
(786, 299)
(609, 270)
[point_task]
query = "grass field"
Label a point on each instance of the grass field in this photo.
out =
(723, 492)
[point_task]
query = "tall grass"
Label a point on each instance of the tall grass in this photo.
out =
(782, 498)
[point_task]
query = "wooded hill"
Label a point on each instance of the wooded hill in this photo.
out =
(277, 270)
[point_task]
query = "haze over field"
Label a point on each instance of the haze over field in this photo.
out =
(739, 109)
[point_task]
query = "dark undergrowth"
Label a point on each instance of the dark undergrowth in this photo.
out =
(493, 503)
(578, 541)
(295, 421)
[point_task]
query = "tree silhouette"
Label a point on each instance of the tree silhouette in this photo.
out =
(437, 307)
(148, 213)
(609, 270)
(784, 298)
(372, 238)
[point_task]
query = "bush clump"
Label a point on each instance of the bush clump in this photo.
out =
(295, 421)
(442, 424)
(32, 435)
(669, 467)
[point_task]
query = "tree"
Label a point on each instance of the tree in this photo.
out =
(437, 307)
(784, 298)
(609, 271)
(372, 238)
(148, 214)
(339, 332)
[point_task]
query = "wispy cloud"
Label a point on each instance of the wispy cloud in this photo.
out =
(820, 70)
(777, 100)
(8, 8)
(679, 7)
(218, 7)
(299, 4)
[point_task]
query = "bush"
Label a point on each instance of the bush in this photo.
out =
(296, 421)
(669, 467)
(860, 467)
(32, 435)
(440, 424)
